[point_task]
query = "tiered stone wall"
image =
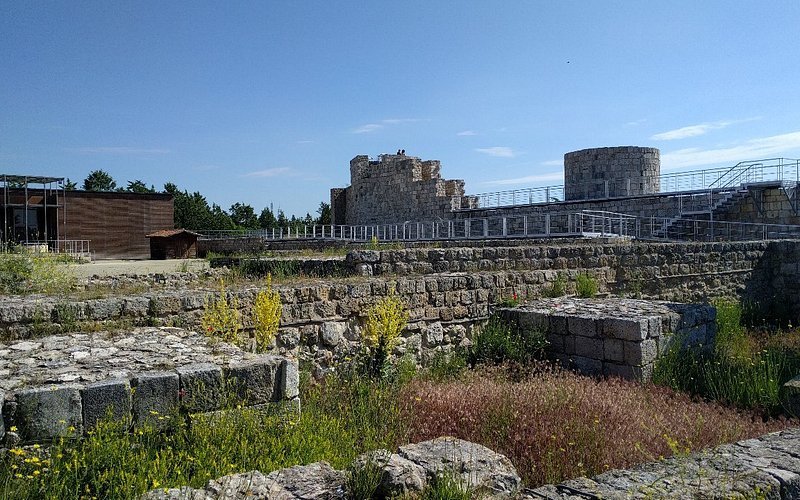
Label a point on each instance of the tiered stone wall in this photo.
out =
(321, 321)
(397, 188)
(610, 172)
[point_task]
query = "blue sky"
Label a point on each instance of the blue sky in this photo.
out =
(267, 102)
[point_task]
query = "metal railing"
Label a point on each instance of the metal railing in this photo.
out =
(767, 170)
(585, 223)
(74, 248)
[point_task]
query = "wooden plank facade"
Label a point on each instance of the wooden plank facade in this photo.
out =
(117, 224)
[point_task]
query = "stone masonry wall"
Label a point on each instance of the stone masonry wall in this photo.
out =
(322, 319)
(397, 188)
(625, 171)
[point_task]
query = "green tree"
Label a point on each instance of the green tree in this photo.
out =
(244, 216)
(267, 219)
(138, 186)
(282, 220)
(99, 180)
(70, 185)
(324, 212)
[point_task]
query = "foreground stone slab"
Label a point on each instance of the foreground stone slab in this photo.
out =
(614, 336)
(317, 481)
(766, 467)
(66, 384)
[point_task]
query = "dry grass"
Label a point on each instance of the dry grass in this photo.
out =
(556, 425)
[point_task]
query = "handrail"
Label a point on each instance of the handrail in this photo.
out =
(673, 182)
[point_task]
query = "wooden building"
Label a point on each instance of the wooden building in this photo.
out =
(173, 244)
(38, 211)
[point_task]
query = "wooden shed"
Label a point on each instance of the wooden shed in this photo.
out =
(173, 244)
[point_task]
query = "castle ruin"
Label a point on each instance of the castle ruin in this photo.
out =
(396, 188)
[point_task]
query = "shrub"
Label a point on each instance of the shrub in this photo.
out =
(586, 286)
(266, 315)
(497, 342)
(23, 272)
(558, 288)
(738, 370)
(385, 322)
(221, 318)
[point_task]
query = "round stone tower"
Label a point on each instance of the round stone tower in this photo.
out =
(596, 173)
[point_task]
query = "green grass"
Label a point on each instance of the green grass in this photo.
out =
(340, 419)
(745, 368)
(497, 342)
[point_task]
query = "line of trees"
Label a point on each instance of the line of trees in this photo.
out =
(192, 210)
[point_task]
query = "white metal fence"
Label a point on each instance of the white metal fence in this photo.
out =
(586, 223)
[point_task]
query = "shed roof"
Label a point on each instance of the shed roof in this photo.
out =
(167, 233)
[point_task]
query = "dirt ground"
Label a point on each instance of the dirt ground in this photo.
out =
(116, 267)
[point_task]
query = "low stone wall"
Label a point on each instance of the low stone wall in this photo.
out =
(60, 385)
(621, 337)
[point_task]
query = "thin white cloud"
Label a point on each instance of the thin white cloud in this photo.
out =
(636, 123)
(366, 129)
(467, 133)
(119, 150)
(528, 179)
(305, 142)
(271, 172)
(374, 127)
(696, 130)
(552, 163)
(752, 149)
(498, 151)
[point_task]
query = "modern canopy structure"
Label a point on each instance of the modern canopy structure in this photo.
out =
(31, 206)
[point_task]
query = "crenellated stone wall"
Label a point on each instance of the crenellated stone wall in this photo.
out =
(396, 188)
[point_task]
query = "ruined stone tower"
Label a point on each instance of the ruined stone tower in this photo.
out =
(397, 188)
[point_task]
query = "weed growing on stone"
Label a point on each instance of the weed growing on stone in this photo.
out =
(585, 286)
(558, 288)
(386, 320)
(266, 315)
(221, 317)
(512, 301)
(497, 342)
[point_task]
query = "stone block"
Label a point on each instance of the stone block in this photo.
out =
(106, 399)
(557, 324)
(791, 396)
(2, 425)
(626, 329)
(640, 353)
(332, 332)
(155, 397)
(654, 326)
(587, 366)
(45, 413)
(583, 327)
(202, 387)
(255, 382)
(589, 348)
(534, 320)
(613, 350)
(618, 370)
(289, 387)
(569, 344)
(556, 343)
